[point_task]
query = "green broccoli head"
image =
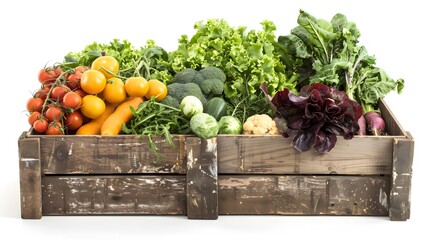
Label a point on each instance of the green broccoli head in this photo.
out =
(203, 84)
(178, 91)
(213, 73)
(171, 101)
(211, 87)
(185, 76)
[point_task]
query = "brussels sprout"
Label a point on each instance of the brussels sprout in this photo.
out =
(191, 105)
(230, 125)
(204, 125)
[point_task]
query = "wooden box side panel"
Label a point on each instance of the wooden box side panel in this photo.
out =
(275, 155)
(393, 127)
(239, 194)
(202, 178)
(109, 195)
(30, 177)
(303, 195)
(110, 155)
(400, 194)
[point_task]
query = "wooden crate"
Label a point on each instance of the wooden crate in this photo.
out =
(229, 174)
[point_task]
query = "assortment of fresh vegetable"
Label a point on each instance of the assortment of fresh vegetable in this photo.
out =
(248, 59)
(313, 84)
(326, 52)
(91, 100)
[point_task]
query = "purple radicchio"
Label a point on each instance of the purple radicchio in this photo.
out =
(316, 116)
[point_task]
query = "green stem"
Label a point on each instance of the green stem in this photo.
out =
(56, 83)
(320, 40)
(367, 108)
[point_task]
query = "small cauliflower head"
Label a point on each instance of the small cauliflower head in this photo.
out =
(260, 124)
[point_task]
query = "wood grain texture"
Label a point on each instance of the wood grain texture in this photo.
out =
(275, 155)
(401, 179)
(30, 177)
(261, 194)
(393, 127)
(303, 195)
(110, 195)
(201, 178)
(110, 155)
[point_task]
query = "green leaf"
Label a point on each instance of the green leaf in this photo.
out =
(70, 59)
(295, 46)
(400, 85)
(329, 73)
(338, 22)
(321, 33)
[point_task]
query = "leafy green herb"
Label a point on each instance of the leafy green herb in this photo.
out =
(156, 119)
(328, 52)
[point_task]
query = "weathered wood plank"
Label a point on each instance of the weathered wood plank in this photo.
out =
(201, 178)
(30, 177)
(303, 195)
(393, 127)
(110, 155)
(260, 194)
(110, 195)
(275, 155)
(401, 179)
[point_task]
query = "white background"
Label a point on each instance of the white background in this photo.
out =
(34, 33)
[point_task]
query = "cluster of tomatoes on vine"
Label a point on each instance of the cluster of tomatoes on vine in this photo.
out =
(68, 99)
(54, 108)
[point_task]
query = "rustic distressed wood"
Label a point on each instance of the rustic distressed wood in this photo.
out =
(393, 127)
(303, 195)
(110, 155)
(259, 194)
(30, 177)
(110, 195)
(275, 155)
(201, 178)
(403, 151)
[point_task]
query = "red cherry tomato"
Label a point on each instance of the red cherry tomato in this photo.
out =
(54, 113)
(35, 105)
(74, 120)
(58, 92)
(40, 125)
(72, 100)
(54, 128)
(34, 116)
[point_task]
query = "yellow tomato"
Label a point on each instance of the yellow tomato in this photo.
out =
(157, 89)
(92, 106)
(107, 65)
(136, 86)
(92, 81)
(114, 92)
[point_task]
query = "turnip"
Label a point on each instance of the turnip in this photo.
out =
(362, 126)
(375, 123)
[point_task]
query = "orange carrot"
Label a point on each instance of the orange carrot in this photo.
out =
(94, 126)
(122, 114)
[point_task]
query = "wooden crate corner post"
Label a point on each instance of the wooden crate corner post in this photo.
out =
(201, 178)
(403, 150)
(30, 177)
